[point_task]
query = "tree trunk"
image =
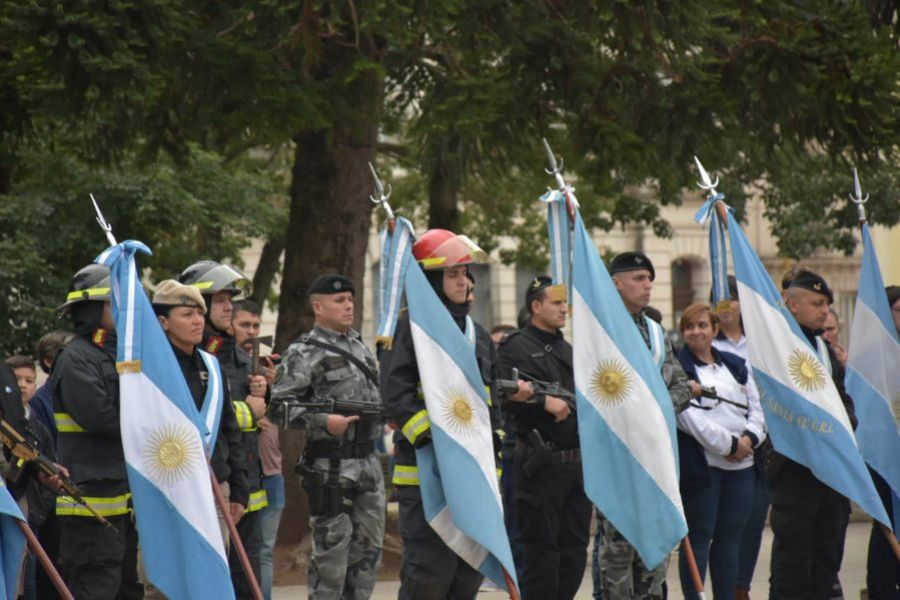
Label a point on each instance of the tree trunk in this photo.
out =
(328, 231)
(443, 199)
(266, 269)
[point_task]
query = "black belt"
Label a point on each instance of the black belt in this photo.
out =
(563, 457)
(335, 450)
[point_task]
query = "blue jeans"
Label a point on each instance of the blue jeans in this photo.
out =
(752, 538)
(716, 516)
(270, 518)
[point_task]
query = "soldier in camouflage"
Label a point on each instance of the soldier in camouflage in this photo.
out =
(327, 385)
(622, 573)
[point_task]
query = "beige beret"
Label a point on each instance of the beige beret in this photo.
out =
(172, 293)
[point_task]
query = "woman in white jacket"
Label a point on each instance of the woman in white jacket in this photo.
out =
(717, 436)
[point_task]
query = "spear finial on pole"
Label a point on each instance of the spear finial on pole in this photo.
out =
(556, 170)
(706, 182)
(857, 198)
(382, 198)
(106, 227)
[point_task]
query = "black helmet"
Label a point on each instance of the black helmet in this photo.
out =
(89, 284)
(211, 277)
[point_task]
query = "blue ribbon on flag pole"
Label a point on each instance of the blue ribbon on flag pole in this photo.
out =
(718, 253)
(395, 258)
(559, 231)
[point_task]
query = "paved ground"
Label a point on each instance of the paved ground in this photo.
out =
(853, 573)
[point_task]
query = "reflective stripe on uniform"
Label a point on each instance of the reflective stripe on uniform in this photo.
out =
(244, 416)
(88, 293)
(405, 475)
(418, 424)
(258, 501)
(66, 424)
(106, 507)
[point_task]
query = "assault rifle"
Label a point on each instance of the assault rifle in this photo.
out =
(290, 406)
(26, 453)
(710, 392)
(542, 389)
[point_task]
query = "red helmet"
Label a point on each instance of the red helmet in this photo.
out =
(442, 249)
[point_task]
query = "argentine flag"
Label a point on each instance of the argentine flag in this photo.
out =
(873, 373)
(12, 542)
(806, 419)
(181, 543)
(626, 421)
(457, 472)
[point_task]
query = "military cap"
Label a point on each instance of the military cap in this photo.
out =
(631, 261)
(543, 282)
(808, 280)
(330, 283)
(172, 293)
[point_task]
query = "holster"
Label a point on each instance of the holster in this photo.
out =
(536, 453)
(326, 496)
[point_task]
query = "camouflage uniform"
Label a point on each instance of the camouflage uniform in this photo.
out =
(346, 545)
(622, 572)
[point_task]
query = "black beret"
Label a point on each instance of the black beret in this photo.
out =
(544, 282)
(330, 283)
(631, 261)
(893, 294)
(808, 280)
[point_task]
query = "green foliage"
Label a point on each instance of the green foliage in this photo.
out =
(194, 209)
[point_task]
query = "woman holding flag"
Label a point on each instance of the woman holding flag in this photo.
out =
(717, 437)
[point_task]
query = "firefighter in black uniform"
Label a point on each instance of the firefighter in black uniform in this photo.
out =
(430, 569)
(554, 514)
(220, 284)
(180, 310)
(97, 561)
(808, 518)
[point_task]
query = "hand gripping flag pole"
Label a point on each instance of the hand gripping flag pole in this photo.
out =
(173, 491)
(873, 369)
(456, 471)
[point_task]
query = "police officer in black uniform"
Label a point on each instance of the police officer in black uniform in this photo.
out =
(220, 285)
(97, 561)
(808, 518)
(180, 311)
(554, 514)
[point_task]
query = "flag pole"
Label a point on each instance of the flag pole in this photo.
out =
(857, 198)
(45, 561)
(513, 590)
(692, 565)
(235, 538)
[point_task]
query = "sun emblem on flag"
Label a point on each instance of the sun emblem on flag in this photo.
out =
(611, 382)
(805, 370)
(170, 453)
(458, 411)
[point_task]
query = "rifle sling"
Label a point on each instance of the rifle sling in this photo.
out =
(307, 339)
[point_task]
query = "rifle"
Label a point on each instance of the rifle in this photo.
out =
(27, 453)
(542, 389)
(710, 392)
(329, 405)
